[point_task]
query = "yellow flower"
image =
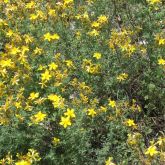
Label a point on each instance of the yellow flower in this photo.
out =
(134, 138)
(38, 51)
(19, 117)
(103, 109)
(15, 50)
(9, 159)
(130, 123)
(33, 155)
(70, 113)
(84, 98)
(152, 2)
(66, 2)
(55, 141)
(109, 161)
(39, 117)
(161, 61)
(40, 14)
(112, 103)
(24, 49)
(57, 101)
(53, 66)
(91, 112)
(46, 76)
(18, 104)
(161, 141)
(6, 1)
(2, 161)
(65, 122)
(9, 33)
(151, 151)
(30, 5)
(33, 96)
(122, 77)
(85, 15)
(6, 63)
(69, 63)
(97, 55)
(102, 19)
(50, 37)
(94, 33)
(23, 162)
(47, 36)
(78, 34)
(161, 41)
(55, 37)
(28, 38)
(41, 67)
(52, 12)
(39, 101)
(95, 24)
(33, 16)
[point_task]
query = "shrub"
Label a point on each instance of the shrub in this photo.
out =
(82, 82)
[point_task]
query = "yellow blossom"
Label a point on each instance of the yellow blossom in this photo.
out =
(112, 103)
(39, 101)
(94, 33)
(66, 2)
(55, 37)
(52, 12)
(161, 61)
(28, 38)
(103, 109)
(33, 95)
(40, 14)
(39, 117)
(161, 41)
(38, 51)
(15, 50)
(58, 101)
(6, 1)
(151, 151)
(24, 49)
(69, 63)
(102, 19)
(55, 140)
(91, 112)
(46, 76)
(18, 104)
(122, 77)
(130, 123)
(41, 67)
(9, 33)
(153, 2)
(19, 117)
(97, 55)
(33, 16)
(85, 16)
(47, 36)
(33, 155)
(65, 122)
(23, 162)
(50, 37)
(109, 161)
(95, 24)
(70, 113)
(134, 138)
(30, 5)
(6, 63)
(53, 66)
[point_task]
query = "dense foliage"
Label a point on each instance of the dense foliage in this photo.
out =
(82, 82)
